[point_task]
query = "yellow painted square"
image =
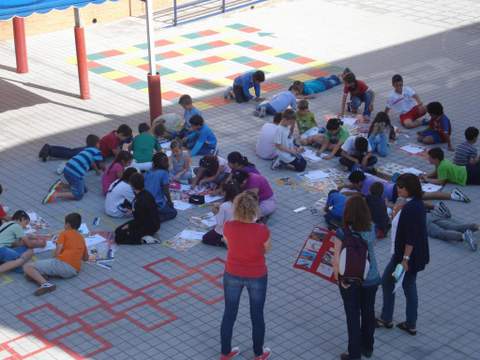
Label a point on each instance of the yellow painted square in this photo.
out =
(114, 74)
(274, 52)
(214, 68)
(187, 51)
(72, 60)
(5, 279)
(137, 62)
(302, 77)
(229, 55)
(317, 63)
(202, 106)
(273, 68)
(177, 76)
(178, 39)
(223, 81)
(130, 50)
(233, 40)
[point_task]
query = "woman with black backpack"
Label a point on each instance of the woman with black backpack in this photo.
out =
(358, 278)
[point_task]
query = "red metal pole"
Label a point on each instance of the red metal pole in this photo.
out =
(82, 62)
(20, 45)
(154, 96)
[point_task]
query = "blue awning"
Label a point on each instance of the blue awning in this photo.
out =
(23, 8)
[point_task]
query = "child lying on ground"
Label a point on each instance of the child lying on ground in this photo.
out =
(278, 103)
(144, 145)
(75, 171)
(115, 170)
(212, 171)
(315, 86)
(69, 253)
(15, 247)
(287, 153)
(466, 153)
(181, 164)
(439, 127)
(223, 213)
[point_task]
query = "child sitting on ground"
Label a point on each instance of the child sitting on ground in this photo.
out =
(357, 154)
(380, 133)
(237, 161)
(287, 153)
(278, 103)
(145, 222)
(305, 118)
(119, 197)
(223, 213)
(144, 145)
(181, 169)
(359, 93)
(265, 148)
(3, 214)
(75, 171)
(202, 140)
(112, 143)
(15, 247)
(447, 172)
(69, 253)
(440, 225)
(334, 137)
(212, 171)
(157, 182)
(315, 86)
(466, 153)
(378, 209)
(439, 127)
(190, 111)
(334, 208)
(115, 170)
(240, 91)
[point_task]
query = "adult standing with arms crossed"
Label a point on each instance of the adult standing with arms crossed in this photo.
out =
(410, 249)
(247, 243)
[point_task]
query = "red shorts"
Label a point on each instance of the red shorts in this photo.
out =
(413, 114)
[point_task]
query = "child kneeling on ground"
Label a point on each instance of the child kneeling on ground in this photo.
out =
(70, 251)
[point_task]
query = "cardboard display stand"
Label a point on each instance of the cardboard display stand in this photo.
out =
(316, 255)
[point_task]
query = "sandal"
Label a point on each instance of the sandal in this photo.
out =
(403, 326)
(379, 323)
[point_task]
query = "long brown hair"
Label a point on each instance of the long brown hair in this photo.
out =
(245, 207)
(357, 214)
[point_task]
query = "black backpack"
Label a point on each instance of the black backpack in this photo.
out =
(353, 264)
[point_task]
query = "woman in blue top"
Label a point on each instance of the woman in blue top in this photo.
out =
(358, 299)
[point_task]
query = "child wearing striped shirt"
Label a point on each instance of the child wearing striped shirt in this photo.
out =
(466, 153)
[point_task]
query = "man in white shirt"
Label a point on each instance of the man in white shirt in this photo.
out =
(265, 148)
(287, 152)
(405, 101)
(357, 154)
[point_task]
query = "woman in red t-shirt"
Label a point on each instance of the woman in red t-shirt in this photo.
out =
(247, 244)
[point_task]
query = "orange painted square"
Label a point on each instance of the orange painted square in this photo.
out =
(257, 64)
(213, 59)
(270, 86)
(162, 42)
(93, 64)
(302, 60)
(145, 67)
(170, 54)
(170, 95)
(109, 53)
(189, 81)
(218, 43)
(232, 77)
(317, 72)
(127, 80)
(260, 47)
(215, 101)
(249, 29)
(207, 32)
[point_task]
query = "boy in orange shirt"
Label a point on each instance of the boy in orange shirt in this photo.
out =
(71, 250)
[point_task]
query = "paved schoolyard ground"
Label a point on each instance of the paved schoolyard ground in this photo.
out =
(157, 303)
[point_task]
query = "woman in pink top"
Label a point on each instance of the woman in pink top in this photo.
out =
(259, 185)
(247, 244)
(115, 170)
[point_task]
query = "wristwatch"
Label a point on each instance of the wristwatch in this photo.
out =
(405, 257)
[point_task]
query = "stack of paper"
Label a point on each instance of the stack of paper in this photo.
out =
(311, 155)
(316, 175)
(413, 149)
(431, 187)
(181, 205)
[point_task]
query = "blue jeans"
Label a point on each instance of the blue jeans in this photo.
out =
(10, 254)
(257, 292)
(366, 98)
(268, 109)
(410, 290)
(166, 213)
(62, 152)
(206, 149)
(379, 144)
(332, 220)
(77, 185)
(359, 305)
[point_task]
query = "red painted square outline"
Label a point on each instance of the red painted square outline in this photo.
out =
(15, 355)
(172, 317)
(199, 268)
(37, 329)
(105, 345)
(204, 300)
(175, 292)
(109, 281)
(80, 317)
(187, 270)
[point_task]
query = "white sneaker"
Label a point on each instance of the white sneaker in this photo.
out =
(459, 195)
(263, 112)
(468, 238)
(148, 239)
(227, 93)
(276, 163)
(60, 168)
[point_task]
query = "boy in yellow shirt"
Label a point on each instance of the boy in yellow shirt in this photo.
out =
(71, 250)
